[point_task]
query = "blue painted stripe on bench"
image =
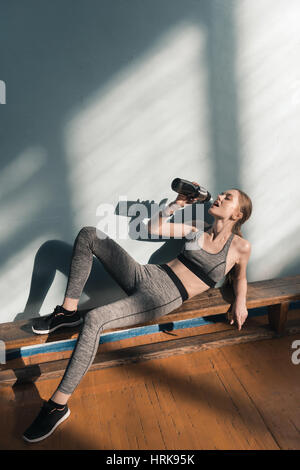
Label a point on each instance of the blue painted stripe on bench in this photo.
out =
(68, 345)
(294, 305)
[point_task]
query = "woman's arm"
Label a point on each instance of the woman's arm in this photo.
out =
(158, 224)
(239, 310)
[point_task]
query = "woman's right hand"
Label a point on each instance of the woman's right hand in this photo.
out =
(182, 199)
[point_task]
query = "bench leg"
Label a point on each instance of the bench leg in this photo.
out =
(277, 316)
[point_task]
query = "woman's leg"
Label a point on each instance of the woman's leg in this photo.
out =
(152, 299)
(119, 264)
(154, 296)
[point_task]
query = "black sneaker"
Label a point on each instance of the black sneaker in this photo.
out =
(60, 317)
(46, 422)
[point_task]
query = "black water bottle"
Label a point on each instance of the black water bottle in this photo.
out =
(190, 189)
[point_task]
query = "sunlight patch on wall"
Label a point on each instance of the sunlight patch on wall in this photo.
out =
(148, 125)
(268, 68)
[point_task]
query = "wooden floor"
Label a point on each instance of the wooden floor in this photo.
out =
(244, 396)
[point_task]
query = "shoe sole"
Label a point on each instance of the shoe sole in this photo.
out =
(52, 430)
(44, 332)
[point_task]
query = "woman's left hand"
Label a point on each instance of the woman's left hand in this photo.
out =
(238, 314)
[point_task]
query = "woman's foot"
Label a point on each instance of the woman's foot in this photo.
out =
(58, 318)
(49, 418)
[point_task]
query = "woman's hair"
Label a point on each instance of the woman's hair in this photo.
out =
(245, 205)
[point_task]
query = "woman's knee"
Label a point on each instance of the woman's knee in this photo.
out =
(87, 235)
(87, 231)
(94, 318)
(92, 233)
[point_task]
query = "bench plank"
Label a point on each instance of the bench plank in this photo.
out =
(271, 292)
(134, 354)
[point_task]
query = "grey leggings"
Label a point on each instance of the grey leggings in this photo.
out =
(150, 289)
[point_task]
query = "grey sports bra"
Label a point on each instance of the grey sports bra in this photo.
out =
(209, 267)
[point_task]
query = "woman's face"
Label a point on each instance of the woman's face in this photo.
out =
(226, 205)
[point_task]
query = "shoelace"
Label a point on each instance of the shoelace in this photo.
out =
(44, 410)
(56, 312)
(64, 312)
(48, 409)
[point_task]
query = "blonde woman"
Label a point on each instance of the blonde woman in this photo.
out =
(153, 289)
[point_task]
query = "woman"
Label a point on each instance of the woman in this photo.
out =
(153, 290)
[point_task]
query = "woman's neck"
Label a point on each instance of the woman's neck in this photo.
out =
(220, 231)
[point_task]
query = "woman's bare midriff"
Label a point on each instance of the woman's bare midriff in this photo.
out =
(191, 282)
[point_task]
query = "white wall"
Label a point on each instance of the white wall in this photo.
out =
(109, 99)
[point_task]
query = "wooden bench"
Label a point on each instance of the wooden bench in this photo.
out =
(275, 294)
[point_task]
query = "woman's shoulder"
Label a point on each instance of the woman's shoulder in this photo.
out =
(242, 245)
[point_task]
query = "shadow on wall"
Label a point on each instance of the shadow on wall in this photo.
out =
(56, 55)
(69, 51)
(291, 269)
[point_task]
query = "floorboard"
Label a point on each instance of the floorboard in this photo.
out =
(242, 397)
